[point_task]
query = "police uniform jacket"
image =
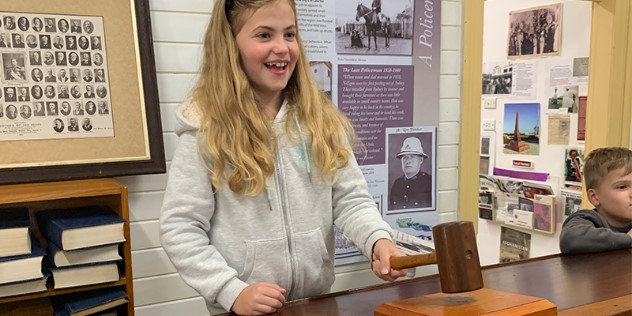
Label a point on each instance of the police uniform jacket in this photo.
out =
(414, 192)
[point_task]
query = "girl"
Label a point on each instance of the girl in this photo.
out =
(263, 170)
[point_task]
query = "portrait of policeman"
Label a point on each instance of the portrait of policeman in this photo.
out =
(414, 188)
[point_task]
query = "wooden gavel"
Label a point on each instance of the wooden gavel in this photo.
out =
(456, 256)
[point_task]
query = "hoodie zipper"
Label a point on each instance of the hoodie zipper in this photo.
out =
(285, 214)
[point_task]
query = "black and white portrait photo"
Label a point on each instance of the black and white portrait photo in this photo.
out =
(31, 41)
(23, 24)
(38, 25)
(9, 22)
(35, 57)
(411, 164)
(14, 67)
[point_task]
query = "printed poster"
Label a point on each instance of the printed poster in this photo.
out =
(380, 65)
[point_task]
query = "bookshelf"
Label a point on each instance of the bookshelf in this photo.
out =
(66, 194)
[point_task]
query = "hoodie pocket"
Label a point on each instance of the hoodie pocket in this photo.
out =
(266, 261)
(315, 273)
(269, 261)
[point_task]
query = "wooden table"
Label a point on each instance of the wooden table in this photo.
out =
(576, 284)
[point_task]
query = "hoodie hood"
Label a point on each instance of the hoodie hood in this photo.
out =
(188, 117)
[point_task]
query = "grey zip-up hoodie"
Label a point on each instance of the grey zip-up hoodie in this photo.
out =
(220, 241)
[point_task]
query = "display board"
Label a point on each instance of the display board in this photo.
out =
(380, 63)
(534, 91)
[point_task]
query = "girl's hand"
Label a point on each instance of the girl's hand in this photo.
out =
(258, 299)
(383, 250)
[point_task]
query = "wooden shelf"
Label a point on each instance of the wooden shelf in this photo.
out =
(67, 194)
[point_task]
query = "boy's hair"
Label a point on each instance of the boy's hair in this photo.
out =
(236, 139)
(603, 160)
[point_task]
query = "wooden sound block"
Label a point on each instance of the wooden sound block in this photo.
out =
(480, 302)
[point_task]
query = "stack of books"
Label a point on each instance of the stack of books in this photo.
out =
(21, 254)
(83, 244)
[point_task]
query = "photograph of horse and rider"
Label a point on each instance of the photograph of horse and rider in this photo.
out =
(368, 27)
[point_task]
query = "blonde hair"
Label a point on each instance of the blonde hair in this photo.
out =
(236, 140)
(601, 161)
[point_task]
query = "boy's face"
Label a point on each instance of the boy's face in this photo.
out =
(613, 198)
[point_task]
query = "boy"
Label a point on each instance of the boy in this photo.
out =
(608, 176)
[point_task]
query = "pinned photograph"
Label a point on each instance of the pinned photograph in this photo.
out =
(573, 167)
(521, 129)
(535, 32)
(368, 27)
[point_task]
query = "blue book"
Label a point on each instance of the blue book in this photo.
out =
(81, 227)
(90, 302)
(14, 217)
(14, 231)
(23, 267)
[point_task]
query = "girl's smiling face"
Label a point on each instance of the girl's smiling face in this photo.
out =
(268, 48)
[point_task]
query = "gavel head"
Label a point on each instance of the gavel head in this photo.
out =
(457, 257)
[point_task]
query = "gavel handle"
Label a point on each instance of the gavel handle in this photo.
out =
(406, 262)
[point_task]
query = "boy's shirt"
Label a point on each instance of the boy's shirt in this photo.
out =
(585, 231)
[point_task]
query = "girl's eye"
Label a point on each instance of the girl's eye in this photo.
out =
(263, 35)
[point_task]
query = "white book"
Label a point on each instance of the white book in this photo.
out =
(14, 231)
(15, 241)
(63, 258)
(25, 287)
(84, 275)
(23, 267)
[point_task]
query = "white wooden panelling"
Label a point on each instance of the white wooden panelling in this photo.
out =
(449, 155)
(151, 262)
(450, 87)
(448, 201)
(451, 14)
(144, 235)
(193, 6)
(178, 27)
(354, 280)
(450, 62)
(450, 38)
(363, 278)
(161, 288)
(168, 115)
(188, 307)
(449, 179)
(170, 141)
(178, 57)
(448, 217)
(449, 110)
(448, 133)
(144, 183)
(145, 206)
(174, 87)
